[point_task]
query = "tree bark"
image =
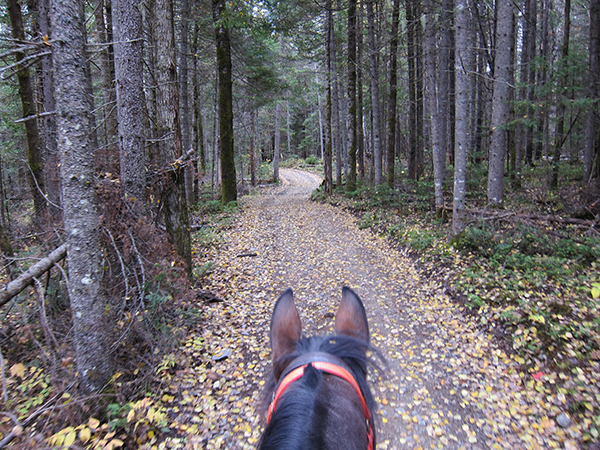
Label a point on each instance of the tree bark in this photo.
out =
(352, 131)
(374, 76)
(185, 105)
(130, 98)
(360, 131)
(495, 191)
(431, 77)
(277, 146)
(51, 167)
(34, 143)
(172, 186)
(592, 144)
(561, 108)
(223, 42)
(328, 129)
(88, 300)
(461, 102)
(391, 151)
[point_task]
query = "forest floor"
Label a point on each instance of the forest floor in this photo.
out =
(446, 384)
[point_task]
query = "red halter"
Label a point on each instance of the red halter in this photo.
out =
(332, 369)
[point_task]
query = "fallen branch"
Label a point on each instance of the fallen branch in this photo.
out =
(27, 278)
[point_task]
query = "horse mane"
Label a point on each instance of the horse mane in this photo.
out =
(293, 421)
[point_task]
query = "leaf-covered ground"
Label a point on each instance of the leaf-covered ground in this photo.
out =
(447, 384)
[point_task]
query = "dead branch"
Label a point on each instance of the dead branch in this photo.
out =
(26, 279)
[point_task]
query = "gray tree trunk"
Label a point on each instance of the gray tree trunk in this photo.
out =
(374, 75)
(327, 160)
(431, 78)
(34, 143)
(352, 130)
(130, 97)
(185, 105)
(172, 186)
(461, 108)
(51, 171)
(495, 191)
(277, 146)
(391, 150)
(561, 108)
(592, 138)
(360, 130)
(84, 255)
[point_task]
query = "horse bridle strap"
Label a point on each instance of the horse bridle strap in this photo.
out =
(332, 369)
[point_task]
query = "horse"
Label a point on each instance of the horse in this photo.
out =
(318, 391)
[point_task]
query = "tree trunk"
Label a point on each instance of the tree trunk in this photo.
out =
(277, 146)
(495, 192)
(328, 129)
(352, 131)
(592, 144)
(185, 105)
(413, 132)
(374, 75)
(252, 157)
(431, 77)
(391, 151)
(228, 176)
(51, 167)
(172, 185)
(446, 72)
(336, 127)
(561, 108)
(360, 131)
(130, 98)
(88, 300)
(34, 143)
(461, 102)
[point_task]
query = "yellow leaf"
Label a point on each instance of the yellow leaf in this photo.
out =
(85, 434)
(70, 438)
(17, 370)
(130, 415)
(93, 423)
(116, 443)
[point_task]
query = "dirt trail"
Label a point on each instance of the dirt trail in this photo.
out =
(446, 385)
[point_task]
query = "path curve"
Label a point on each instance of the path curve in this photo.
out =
(446, 385)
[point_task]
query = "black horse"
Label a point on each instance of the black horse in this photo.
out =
(318, 393)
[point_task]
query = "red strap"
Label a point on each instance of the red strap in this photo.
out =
(332, 369)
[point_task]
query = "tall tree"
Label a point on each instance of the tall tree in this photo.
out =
(461, 105)
(391, 151)
(51, 166)
(87, 298)
(34, 143)
(277, 145)
(130, 97)
(433, 99)
(172, 184)
(374, 77)
(352, 132)
(495, 192)
(185, 104)
(223, 43)
(559, 134)
(360, 131)
(592, 132)
(328, 182)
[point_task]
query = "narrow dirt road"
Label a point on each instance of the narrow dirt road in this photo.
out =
(446, 384)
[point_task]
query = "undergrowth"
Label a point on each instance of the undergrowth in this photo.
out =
(532, 283)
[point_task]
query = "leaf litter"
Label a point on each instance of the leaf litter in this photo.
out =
(447, 383)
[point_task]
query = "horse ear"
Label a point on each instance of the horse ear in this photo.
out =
(351, 318)
(286, 327)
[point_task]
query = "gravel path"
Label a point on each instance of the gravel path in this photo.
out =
(446, 384)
